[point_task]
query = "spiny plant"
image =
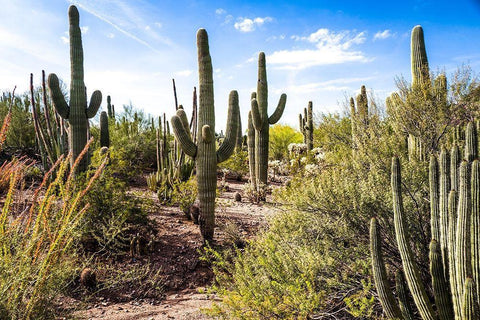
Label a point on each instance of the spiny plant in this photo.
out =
(261, 121)
(455, 229)
(104, 133)
(419, 61)
(77, 111)
(204, 150)
(306, 126)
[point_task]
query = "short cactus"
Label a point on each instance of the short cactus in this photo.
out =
(261, 121)
(204, 151)
(77, 111)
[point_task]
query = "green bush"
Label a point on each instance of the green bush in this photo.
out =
(280, 137)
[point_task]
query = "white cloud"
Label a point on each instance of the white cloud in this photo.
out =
(330, 48)
(184, 73)
(381, 35)
(84, 29)
(249, 25)
(341, 84)
(220, 11)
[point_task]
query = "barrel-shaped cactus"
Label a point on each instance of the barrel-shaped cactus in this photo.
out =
(204, 150)
(262, 122)
(76, 111)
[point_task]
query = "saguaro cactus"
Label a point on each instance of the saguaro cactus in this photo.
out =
(306, 126)
(77, 111)
(204, 151)
(261, 121)
(420, 70)
(104, 133)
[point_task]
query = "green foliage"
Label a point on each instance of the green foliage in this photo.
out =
(280, 137)
(237, 164)
(288, 272)
(113, 213)
(184, 194)
(21, 134)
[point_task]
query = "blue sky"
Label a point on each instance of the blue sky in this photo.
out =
(321, 51)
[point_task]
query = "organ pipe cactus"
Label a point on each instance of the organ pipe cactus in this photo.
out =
(76, 111)
(104, 133)
(261, 121)
(204, 151)
(454, 260)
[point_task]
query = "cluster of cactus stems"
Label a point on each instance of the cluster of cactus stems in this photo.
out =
(76, 111)
(204, 150)
(455, 246)
(50, 129)
(359, 116)
(261, 121)
(110, 108)
(306, 125)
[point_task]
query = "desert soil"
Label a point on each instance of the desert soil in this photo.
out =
(184, 276)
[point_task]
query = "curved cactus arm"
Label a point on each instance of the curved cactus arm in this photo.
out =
(228, 144)
(300, 124)
(469, 301)
(462, 253)
(58, 98)
(256, 118)
(95, 102)
(441, 290)
(183, 117)
(183, 137)
(207, 134)
(382, 284)
(277, 114)
(412, 274)
(401, 288)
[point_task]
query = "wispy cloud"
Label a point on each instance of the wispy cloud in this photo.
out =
(382, 35)
(184, 73)
(116, 23)
(249, 25)
(220, 11)
(341, 84)
(330, 48)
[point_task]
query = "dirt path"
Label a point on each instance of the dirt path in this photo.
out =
(183, 274)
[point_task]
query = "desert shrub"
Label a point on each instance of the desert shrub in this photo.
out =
(21, 134)
(289, 272)
(37, 256)
(280, 137)
(236, 164)
(113, 213)
(184, 194)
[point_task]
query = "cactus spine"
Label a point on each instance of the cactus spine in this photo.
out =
(77, 111)
(204, 151)
(104, 134)
(261, 121)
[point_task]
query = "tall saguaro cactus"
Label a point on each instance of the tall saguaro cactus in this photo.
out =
(204, 151)
(76, 111)
(262, 122)
(306, 126)
(420, 70)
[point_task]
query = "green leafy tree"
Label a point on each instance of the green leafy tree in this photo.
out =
(281, 136)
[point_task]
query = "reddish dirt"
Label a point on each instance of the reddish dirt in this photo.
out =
(176, 254)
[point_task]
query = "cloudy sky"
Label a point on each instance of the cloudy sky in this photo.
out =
(321, 51)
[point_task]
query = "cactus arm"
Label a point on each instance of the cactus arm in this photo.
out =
(257, 120)
(277, 114)
(471, 142)
(469, 301)
(382, 284)
(58, 98)
(251, 150)
(183, 117)
(441, 290)
(412, 274)
(95, 102)
(228, 144)
(183, 137)
(207, 134)
(462, 254)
